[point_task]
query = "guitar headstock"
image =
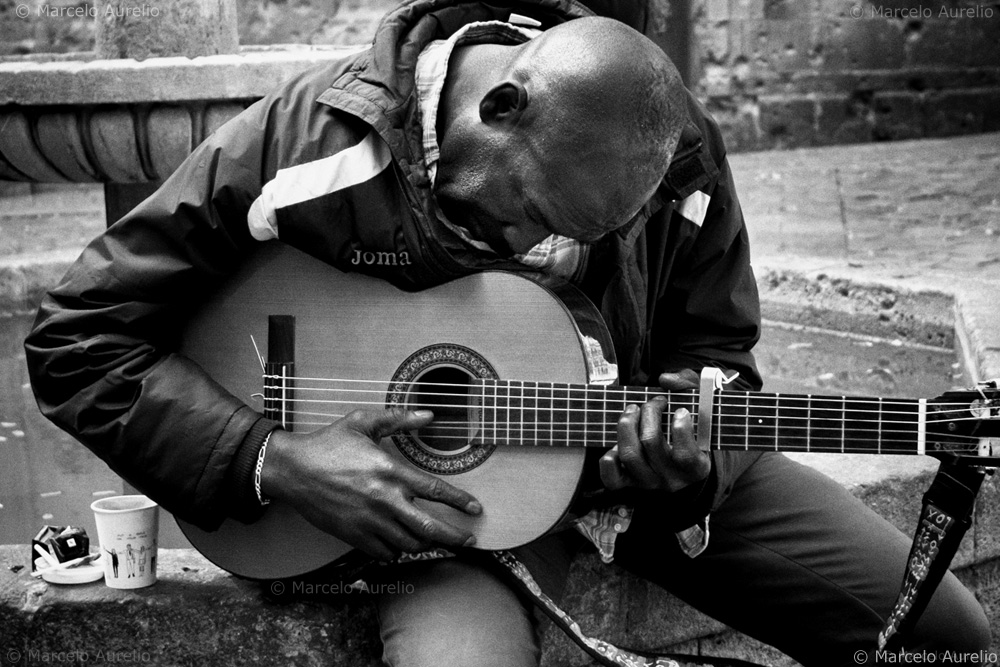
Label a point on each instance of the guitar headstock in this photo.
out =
(963, 422)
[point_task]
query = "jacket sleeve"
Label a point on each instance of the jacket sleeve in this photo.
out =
(99, 355)
(709, 312)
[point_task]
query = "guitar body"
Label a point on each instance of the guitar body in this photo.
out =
(383, 340)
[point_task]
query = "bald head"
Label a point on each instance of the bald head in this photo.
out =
(578, 126)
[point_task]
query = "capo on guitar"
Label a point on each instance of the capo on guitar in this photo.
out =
(712, 380)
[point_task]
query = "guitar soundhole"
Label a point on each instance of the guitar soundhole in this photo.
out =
(445, 390)
(442, 378)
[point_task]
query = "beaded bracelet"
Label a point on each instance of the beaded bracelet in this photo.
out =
(256, 475)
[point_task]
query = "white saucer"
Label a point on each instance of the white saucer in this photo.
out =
(83, 574)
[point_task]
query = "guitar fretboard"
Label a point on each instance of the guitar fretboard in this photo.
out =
(568, 415)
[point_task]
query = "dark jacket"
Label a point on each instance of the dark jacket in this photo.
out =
(676, 292)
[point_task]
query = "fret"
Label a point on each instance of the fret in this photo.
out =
(543, 414)
(483, 413)
(531, 409)
(636, 395)
(843, 426)
(746, 421)
(552, 415)
(516, 408)
(862, 423)
(569, 437)
(617, 407)
(496, 412)
(826, 423)
(731, 422)
(604, 418)
(809, 416)
(668, 415)
(879, 417)
(762, 431)
(614, 400)
(577, 424)
(793, 423)
(594, 417)
(503, 412)
(560, 413)
(900, 426)
(687, 400)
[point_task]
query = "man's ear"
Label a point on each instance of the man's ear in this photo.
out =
(504, 102)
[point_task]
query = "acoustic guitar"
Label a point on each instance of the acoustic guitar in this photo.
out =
(519, 373)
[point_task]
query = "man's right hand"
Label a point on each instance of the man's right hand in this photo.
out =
(342, 483)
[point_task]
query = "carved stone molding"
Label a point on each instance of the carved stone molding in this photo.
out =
(113, 143)
(123, 121)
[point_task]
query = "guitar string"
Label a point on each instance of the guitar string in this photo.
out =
(603, 389)
(612, 392)
(570, 386)
(813, 448)
(959, 409)
(477, 381)
(616, 393)
(580, 430)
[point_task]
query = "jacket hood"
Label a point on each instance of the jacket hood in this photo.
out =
(384, 75)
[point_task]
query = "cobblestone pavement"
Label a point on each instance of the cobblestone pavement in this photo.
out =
(920, 215)
(926, 211)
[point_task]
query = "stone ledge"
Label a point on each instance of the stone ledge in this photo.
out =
(194, 615)
(250, 74)
(197, 614)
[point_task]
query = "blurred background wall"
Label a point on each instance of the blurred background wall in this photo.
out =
(776, 73)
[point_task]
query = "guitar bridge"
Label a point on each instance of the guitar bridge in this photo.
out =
(279, 370)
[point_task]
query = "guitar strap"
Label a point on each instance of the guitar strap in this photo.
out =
(946, 515)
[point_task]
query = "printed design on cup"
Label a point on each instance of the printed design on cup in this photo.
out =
(127, 528)
(114, 561)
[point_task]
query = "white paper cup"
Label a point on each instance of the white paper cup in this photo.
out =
(127, 529)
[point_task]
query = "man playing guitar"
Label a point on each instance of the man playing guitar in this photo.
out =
(473, 137)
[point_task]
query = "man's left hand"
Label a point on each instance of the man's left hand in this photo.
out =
(643, 457)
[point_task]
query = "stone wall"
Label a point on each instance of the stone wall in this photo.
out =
(783, 73)
(64, 26)
(776, 73)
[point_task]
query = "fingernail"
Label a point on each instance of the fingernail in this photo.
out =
(423, 414)
(470, 542)
(681, 413)
(474, 507)
(631, 409)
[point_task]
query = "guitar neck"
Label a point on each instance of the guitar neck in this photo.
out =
(566, 415)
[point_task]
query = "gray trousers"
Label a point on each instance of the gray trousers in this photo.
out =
(794, 560)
